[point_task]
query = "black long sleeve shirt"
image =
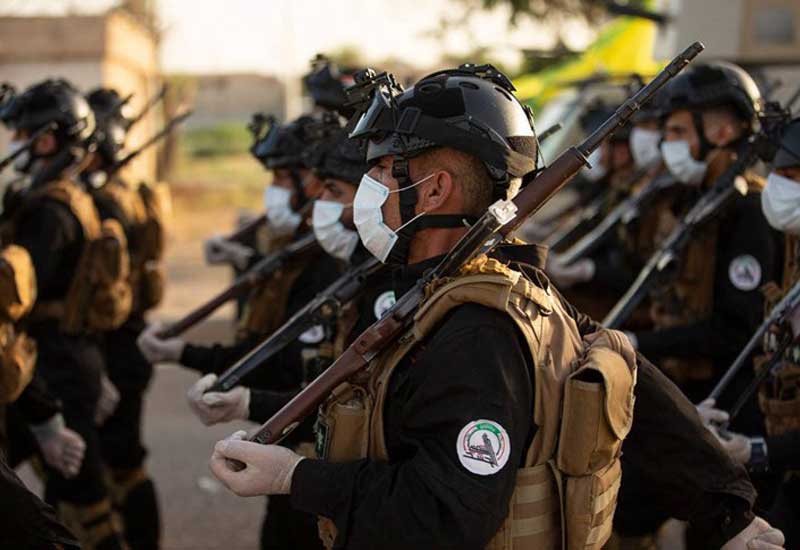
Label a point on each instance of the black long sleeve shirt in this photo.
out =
(474, 367)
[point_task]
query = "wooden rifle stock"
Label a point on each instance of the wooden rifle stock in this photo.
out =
(244, 283)
(502, 219)
(246, 228)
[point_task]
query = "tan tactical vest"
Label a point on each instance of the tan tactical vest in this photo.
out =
(145, 213)
(566, 492)
(99, 296)
(689, 296)
(17, 296)
(779, 398)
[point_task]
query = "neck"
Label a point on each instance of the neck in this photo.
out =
(432, 242)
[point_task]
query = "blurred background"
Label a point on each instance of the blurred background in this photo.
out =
(228, 60)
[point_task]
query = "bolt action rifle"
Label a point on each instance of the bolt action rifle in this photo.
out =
(663, 263)
(243, 284)
(624, 213)
(324, 307)
(779, 317)
(501, 219)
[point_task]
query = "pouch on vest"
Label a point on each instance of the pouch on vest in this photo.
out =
(342, 427)
(597, 415)
(100, 296)
(17, 283)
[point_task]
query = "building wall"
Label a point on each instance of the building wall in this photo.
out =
(220, 98)
(112, 50)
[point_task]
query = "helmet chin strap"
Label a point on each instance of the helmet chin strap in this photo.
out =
(410, 221)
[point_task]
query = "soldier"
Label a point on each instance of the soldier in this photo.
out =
(26, 521)
(427, 449)
(121, 433)
(288, 201)
(702, 317)
(80, 266)
(779, 450)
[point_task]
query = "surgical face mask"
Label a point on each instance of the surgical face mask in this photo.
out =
(780, 201)
(333, 236)
(377, 237)
(678, 158)
(598, 169)
(282, 219)
(644, 147)
(23, 162)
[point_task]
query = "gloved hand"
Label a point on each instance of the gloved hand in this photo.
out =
(107, 402)
(215, 407)
(710, 415)
(759, 535)
(157, 350)
(566, 276)
(219, 250)
(268, 468)
(61, 448)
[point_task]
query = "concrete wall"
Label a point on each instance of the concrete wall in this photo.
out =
(113, 49)
(234, 97)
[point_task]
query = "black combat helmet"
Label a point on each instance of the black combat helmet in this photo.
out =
(788, 155)
(109, 134)
(714, 84)
(326, 85)
(342, 159)
(54, 102)
(470, 109)
(282, 146)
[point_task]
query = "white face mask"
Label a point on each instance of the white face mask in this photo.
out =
(23, 161)
(333, 236)
(598, 169)
(680, 163)
(780, 201)
(282, 219)
(644, 147)
(377, 237)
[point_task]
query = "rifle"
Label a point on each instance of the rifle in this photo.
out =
(579, 222)
(500, 220)
(244, 283)
(778, 316)
(758, 146)
(246, 228)
(147, 106)
(168, 127)
(549, 132)
(624, 213)
(325, 306)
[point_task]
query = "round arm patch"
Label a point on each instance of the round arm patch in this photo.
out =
(745, 272)
(483, 447)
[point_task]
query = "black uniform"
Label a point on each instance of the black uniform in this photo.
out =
(121, 434)
(27, 523)
(475, 365)
(70, 365)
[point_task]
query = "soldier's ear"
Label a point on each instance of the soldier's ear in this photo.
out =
(435, 193)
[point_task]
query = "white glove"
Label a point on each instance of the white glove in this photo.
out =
(759, 535)
(566, 276)
(61, 447)
(107, 402)
(710, 415)
(268, 468)
(632, 339)
(156, 350)
(215, 407)
(218, 250)
(739, 447)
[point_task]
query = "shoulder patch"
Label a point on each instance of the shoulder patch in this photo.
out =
(383, 303)
(745, 272)
(483, 447)
(314, 335)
